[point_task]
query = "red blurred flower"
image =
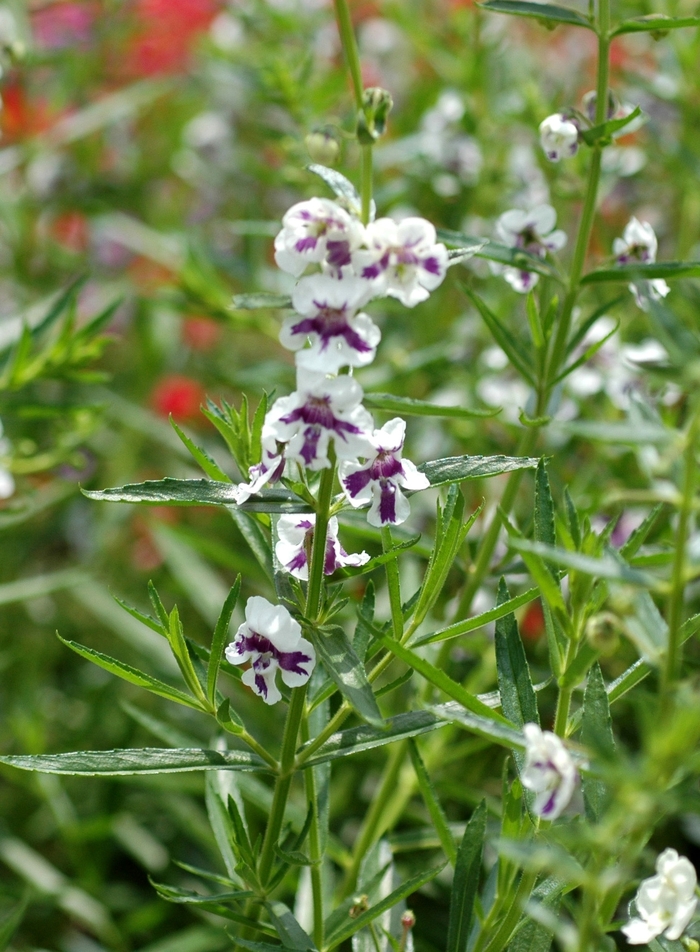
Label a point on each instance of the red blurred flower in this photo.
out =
(21, 116)
(166, 32)
(71, 230)
(201, 333)
(178, 396)
(532, 623)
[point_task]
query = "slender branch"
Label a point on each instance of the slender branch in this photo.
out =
(349, 43)
(318, 552)
(393, 582)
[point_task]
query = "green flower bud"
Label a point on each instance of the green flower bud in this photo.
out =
(323, 147)
(371, 120)
(603, 632)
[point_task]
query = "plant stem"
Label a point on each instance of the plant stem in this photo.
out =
(675, 599)
(283, 783)
(366, 188)
(315, 851)
(393, 582)
(349, 43)
(318, 552)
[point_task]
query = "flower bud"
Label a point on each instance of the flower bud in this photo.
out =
(603, 632)
(408, 919)
(323, 147)
(590, 104)
(371, 119)
(360, 904)
(558, 137)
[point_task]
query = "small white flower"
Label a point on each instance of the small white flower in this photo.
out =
(268, 470)
(402, 259)
(378, 481)
(549, 772)
(321, 409)
(665, 902)
(638, 243)
(271, 639)
(558, 137)
(327, 316)
(295, 543)
(531, 231)
(317, 232)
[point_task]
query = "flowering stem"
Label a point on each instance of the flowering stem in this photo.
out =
(366, 188)
(318, 552)
(315, 851)
(393, 582)
(675, 598)
(349, 43)
(283, 783)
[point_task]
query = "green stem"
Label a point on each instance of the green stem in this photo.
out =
(315, 851)
(393, 582)
(675, 599)
(366, 187)
(512, 917)
(258, 748)
(283, 783)
(318, 552)
(349, 42)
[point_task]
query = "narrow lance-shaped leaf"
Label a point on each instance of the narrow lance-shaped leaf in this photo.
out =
(454, 469)
(606, 129)
(346, 669)
(478, 621)
(145, 760)
(338, 183)
(466, 881)
(643, 271)
(518, 351)
(431, 801)
(132, 675)
(655, 23)
(210, 467)
(199, 492)
(220, 635)
(597, 736)
(259, 300)
(287, 928)
(545, 12)
(407, 406)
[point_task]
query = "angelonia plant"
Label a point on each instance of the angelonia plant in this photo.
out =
(559, 847)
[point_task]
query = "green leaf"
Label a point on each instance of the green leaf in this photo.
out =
(145, 619)
(496, 731)
(587, 354)
(219, 637)
(503, 254)
(679, 340)
(606, 567)
(211, 468)
(544, 508)
(257, 540)
(293, 857)
(189, 897)
(364, 919)
(518, 700)
(518, 351)
(288, 929)
(641, 271)
(132, 675)
(259, 300)
(407, 406)
(545, 12)
(431, 801)
(606, 129)
(10, 921)
(478, 621)
(466, 881)
(454, 469)
(655, 23)
(624, 431)
(338, 184)
(146, 760)
(597, 736)
(346, 669)
(199, 492)
(442, 681)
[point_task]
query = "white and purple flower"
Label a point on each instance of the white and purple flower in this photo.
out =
(402, 259)
(321, 409)
(271, 640)
(558, 137)
(268, 470)
(327, 316)
(531, 231)
(665, 903)
(638, 243)
(320, 232)
(379, 480)
(549, 772)
(294, 546)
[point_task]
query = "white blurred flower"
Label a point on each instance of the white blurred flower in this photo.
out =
(549, 772)
(379, 480)
(327, 316)
(558, 137)
(638, 243)
(320, 410)
(665, 902)
(533, 232)
(317, 231)
(7, 482)
(271, 639)
(402, 260)
(295, 543)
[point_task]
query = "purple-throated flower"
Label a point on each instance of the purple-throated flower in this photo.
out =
(531, 231)
(293, 550)
(549, 772)
(379, 480)
(558, 137)
(638, 243)
(319, 232)
(271, 640)
(321, 409)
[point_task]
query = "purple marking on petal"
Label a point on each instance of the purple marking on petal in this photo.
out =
(330, 563)
(356, 482)
(372, 271)
(387, 502)
(550, 804)
(386, 466)
(306, 244)
(309, 451)
(432, 265)
(261, 685)
(338, 254)
(293, 661)
(298, 562)
(307, 326)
